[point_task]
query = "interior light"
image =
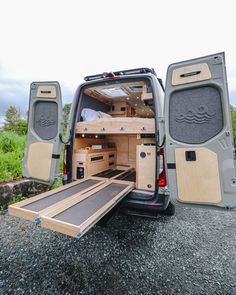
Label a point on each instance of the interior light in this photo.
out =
(82, 135)
(96, 136)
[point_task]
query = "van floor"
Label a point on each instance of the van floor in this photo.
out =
(109, 173)
(129, 175)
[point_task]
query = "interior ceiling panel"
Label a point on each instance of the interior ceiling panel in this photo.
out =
(132, 94)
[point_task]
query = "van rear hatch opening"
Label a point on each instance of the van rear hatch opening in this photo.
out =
(116, 130)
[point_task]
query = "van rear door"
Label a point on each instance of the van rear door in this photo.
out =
(42, 155)
(199, 146)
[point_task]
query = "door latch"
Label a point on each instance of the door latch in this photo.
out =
(190, 156)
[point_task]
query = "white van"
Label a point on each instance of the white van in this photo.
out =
(130, 146)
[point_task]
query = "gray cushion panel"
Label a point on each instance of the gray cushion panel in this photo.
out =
(57, 197)
(46, 119)
(80, 212)
(195, 115)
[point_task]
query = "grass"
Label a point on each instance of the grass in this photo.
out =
(12, 148)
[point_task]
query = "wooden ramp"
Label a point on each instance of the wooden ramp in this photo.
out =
(73, 208)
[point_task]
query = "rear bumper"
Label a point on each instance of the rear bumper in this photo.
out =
(139, 200)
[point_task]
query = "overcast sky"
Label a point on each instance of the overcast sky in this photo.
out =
(67, 40)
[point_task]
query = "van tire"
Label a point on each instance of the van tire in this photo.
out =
(170, 210)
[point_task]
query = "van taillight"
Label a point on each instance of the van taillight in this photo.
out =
(162, 172)
(64, 160)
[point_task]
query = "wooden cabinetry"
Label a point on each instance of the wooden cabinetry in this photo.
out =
(146, 167)
(117, 126)
(91, 162)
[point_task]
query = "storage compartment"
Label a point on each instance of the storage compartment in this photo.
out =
(146, 167)
(90, 162)
(122, 161)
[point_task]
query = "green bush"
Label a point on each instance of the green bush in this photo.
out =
(12, 148)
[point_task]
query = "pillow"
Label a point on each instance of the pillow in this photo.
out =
(104, 115)
(89, 115)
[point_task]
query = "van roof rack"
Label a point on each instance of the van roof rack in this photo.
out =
(108, 75)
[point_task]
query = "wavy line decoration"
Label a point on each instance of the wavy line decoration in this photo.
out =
(200, 117)
(45, 122)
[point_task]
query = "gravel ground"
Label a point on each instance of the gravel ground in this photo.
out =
(193, 252)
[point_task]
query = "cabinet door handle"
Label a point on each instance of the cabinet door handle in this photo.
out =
(190, 74)
(190, 156)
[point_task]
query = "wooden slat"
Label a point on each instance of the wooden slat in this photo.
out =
(95, 151)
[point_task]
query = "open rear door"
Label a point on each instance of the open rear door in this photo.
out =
(199, 146)
(42, 155)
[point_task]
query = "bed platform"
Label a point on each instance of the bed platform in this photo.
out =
(124, 125)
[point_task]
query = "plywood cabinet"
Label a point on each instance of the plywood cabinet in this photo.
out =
(146, 167)
(87, 163)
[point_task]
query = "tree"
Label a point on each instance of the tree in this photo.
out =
(66, 112)
(13, 122)
(233, 117)
(12, 119)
